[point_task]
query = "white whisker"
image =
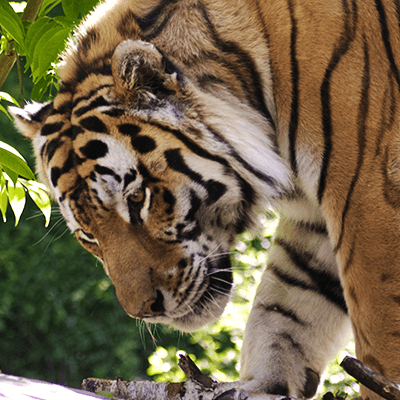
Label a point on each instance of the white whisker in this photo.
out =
(58, 222)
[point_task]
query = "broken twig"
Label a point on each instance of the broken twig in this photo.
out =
(371, 379)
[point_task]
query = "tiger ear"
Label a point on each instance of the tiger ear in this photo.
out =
(30, 119)
(141, 73)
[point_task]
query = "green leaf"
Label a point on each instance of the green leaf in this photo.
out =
(71, 8)
(35, 32)
(3, 196)
(3, 44)
(48, 47)
(10, 174)
(12, 23)
(38, 193)
(39, 88)
(16, 196)
(7, 97)
(11, 149)
(11, 160)
(47, 6)
(66, 22)
(5, 111)
(34, 185)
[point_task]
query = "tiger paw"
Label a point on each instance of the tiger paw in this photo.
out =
(278, 383)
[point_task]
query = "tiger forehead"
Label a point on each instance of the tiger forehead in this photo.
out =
(115, 151)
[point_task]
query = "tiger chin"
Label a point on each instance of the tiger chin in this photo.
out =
(177, 122)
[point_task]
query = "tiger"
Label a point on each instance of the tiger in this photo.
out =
(179, 121)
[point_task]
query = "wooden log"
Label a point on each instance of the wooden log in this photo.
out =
(19, 388)
(189, 390)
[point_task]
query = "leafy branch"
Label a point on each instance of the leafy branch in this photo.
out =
(8, 58)
(27, 30)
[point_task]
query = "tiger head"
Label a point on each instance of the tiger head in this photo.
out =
(151, 181)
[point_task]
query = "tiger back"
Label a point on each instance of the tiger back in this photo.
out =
(178, 121)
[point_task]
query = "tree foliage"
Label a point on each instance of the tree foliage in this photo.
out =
(59, 317)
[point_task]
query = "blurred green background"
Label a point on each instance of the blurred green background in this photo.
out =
(60, 320)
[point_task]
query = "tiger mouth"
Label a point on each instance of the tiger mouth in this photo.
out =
(211, 303)
(219, 283)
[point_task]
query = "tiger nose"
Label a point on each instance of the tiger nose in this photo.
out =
(153, 306)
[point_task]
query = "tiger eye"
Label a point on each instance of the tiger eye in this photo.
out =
(138, 196)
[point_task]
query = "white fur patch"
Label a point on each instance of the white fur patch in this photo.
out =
(109, 188)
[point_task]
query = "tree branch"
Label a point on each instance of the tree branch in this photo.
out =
(31, 10)
(7, 60)
(371, 379)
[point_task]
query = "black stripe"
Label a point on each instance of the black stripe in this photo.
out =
(78, 195)
(44, 111)
(248, 198)
(52, 147)
(150, 20)
(195, 204)
(94, 149)
(114, 112)
(87, 69)
(295, 345)
(313, 227)
(294, 107)
(209, 79)
(386, 40)
(160, 28)
(62, 108)
(295, 282)
(290, 280)
(361, 137)
(91, 94)
(191, 145)
(326, 284)
(189, 289)
(107, 171)
(277, 308)
(341, 49)
(129, 177)
(254, 91)
(97, 102)
(49, 129)
(215, 190)
(176, 162)
(265, 178)
(196, 149)
(169, 200)
(69, 163)
(93, 124)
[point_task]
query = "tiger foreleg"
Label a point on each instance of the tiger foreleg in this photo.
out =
(298, 321)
